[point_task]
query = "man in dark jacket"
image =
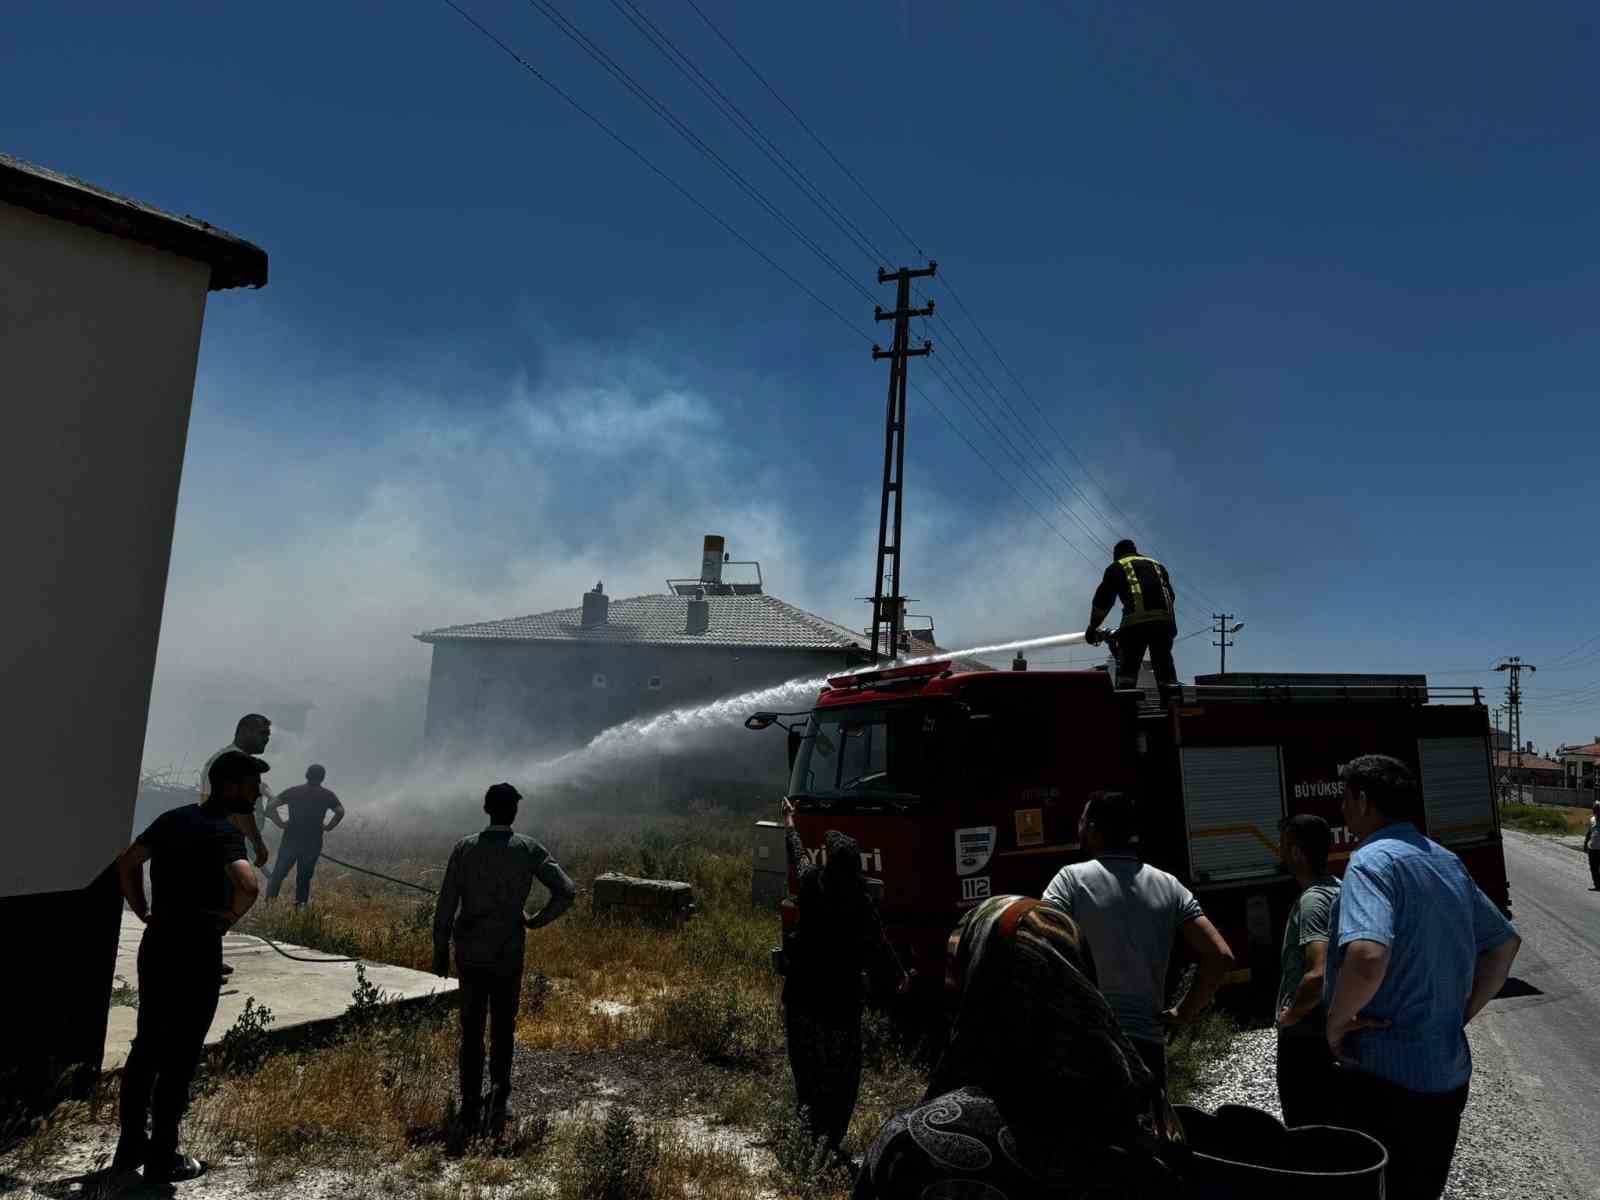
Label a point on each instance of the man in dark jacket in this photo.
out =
(203, 883)
(482, 906)
(1148, 621)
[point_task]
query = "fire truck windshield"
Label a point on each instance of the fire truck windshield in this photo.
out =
(864, 754)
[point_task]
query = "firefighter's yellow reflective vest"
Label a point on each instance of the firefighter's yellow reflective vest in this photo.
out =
(1140, 609)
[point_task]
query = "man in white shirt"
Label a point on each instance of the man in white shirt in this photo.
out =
(250, 737)
(1131, 913)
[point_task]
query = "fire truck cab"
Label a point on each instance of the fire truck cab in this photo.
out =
(959, 785)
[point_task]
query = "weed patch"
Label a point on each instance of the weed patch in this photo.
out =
(245, 1046)
(1544, 818)
(613, 1160)
(722, 1024)
(1195, 1050)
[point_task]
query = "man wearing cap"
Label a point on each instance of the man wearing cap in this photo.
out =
(482, 905)
(203, 883)
(309, 804)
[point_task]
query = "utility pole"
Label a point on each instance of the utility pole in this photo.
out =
(888, 610)
(1515, 666)
(1222, 628)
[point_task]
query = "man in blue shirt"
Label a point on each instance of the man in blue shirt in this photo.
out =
(1418, 950)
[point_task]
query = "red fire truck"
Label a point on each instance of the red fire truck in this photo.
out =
(961, 784)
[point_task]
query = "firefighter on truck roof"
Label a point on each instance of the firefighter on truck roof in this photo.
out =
(1148, 620)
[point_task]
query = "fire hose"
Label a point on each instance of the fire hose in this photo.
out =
(261, 937)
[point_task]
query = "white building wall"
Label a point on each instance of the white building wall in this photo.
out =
(98, 343)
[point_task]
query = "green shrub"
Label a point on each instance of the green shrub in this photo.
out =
(1535, 818)
(717, 1022)
(244, 1047)
(616, 1160)
(807, 1168)
(1195, 1050)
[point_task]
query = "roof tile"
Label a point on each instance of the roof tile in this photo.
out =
(662, 620)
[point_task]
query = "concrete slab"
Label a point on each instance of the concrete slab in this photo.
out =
(298, 993)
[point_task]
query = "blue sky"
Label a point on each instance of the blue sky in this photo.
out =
(1311, 293)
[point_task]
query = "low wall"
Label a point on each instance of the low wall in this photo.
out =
(1559, 796)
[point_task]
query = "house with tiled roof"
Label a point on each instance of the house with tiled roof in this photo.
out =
(550, 681)
(1580, 765)
(1527, 767)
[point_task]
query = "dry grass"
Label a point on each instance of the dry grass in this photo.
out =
(1545, 818)
(374, 1107)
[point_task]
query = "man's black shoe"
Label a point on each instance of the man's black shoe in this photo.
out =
(177, 1169)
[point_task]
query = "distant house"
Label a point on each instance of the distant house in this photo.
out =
(551, 681)
(1533, 769)
(1580, 765)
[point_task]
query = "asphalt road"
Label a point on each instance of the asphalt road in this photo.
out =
(1542, 1035)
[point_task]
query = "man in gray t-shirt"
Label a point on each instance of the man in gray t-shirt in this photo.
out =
(1131, 913)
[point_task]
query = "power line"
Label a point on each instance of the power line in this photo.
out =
(957, 388)
(1001, 475)
(685, 65)
(596, 53)
(946, 328)
(801, 121)
(654, 34)
(658, 171)
(975, 406)
(904, 233)
(587, 44)
(745, 241)
(1560, 658)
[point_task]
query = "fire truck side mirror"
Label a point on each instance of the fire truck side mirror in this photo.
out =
(760, 720)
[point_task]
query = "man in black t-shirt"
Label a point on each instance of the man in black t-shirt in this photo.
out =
(308, 803)
(203, 883)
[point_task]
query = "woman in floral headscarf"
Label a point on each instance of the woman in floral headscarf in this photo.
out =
(838, 936)
(1039, 1093)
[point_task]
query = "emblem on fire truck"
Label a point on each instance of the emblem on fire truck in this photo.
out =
(974, 848)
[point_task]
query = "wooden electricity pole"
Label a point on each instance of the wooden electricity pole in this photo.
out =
(888, 609)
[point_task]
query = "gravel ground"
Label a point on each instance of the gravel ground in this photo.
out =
(1502, 1151)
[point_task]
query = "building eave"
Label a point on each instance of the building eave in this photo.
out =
(234, 262)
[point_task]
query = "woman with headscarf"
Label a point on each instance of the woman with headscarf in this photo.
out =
(837, 937)
(1039, 1094)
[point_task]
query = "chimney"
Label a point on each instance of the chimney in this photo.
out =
(711, 556)
(699, 615)
(595, 604)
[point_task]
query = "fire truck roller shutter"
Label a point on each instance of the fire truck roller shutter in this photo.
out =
(1233, 798)
(1456, 796)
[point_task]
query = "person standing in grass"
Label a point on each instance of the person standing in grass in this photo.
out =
(838, 937)
(1307, 1081)
(309, 803)
(482, 908)
(203, 883)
